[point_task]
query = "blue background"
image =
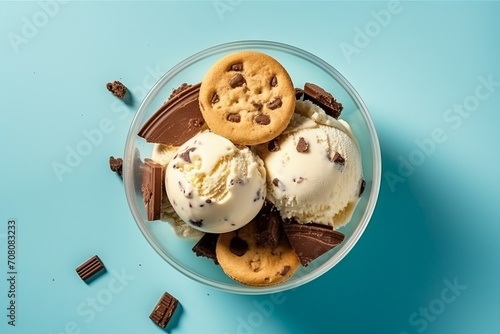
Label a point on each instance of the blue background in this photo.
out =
(429, 259)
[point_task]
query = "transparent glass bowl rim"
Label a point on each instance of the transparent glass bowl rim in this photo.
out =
(235, 46)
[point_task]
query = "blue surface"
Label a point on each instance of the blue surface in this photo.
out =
(429, 74)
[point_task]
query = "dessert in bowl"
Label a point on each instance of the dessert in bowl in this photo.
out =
(252, 167)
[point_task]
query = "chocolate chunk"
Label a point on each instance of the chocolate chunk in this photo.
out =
(238, 246)
(276, 182)
(268, 225)
(262, 119)
(90, 268)
(117, 88)
(206, 246)
(302, 145)
(285, 270)
(237, 81)
(169, 125)
(236, 67)
(274, 81)
(257, 105)
(322, 98)
(152, 188)
(311, 240)
(164, 310)
(273, 145)
(338, 159)
(178, 90)
(116, 165)
(275, 104)
(215, 98)
(233, 117)
(185, 155)
(362, 187)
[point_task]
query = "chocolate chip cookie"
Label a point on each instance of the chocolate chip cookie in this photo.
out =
(246, 261)
(247, 97)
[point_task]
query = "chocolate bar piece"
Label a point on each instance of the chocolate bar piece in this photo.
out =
(322, 98)
(164, 310)
(90, 268)
(116, 165)
(268, 225)
(152, 188)
(117, 88)
(177, 120)
(206, 246)
(311, 240)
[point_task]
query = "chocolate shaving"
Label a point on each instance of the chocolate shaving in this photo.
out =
(275, 104)
(237, 81)
(262, 119)
(310, 241)
(302, 145)
(238, 246)
(164, 310)
(206, 246)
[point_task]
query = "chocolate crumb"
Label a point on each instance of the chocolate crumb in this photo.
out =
(116, 165)
(238, 246)
(302, 145)
(117, 88)
(179, 89)
(196, 122)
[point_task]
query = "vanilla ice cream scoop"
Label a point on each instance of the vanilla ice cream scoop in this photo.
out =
(215, 186)
(314, 171)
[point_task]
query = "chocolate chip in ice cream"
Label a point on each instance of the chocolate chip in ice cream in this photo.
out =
(338, 159)
(273, 145)
(302, 145)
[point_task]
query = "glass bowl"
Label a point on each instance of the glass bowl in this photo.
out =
(302, 67)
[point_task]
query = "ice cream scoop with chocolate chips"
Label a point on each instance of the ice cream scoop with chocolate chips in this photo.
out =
(215, 186)
(314, 171)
